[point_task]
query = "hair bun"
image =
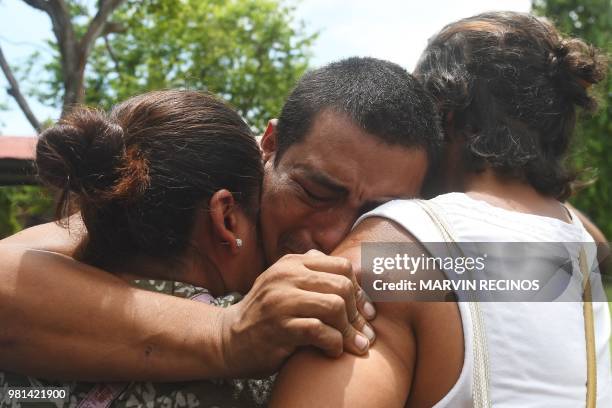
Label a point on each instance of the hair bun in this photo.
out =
(82, 154)
(578, 65)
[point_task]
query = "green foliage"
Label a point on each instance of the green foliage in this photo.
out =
(251, 52)
(590, 20)
(23, 206)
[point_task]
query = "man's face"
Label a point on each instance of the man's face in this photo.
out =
(321, 185)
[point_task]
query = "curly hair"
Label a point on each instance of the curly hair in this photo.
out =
(512, 83)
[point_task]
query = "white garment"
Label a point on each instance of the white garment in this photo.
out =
(536, 351)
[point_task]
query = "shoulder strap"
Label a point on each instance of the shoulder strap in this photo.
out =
(480, 388)
(589, 321)
(589, 331)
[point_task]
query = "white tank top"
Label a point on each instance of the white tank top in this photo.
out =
(535, 351)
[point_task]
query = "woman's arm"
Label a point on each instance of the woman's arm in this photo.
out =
(380, 379)
(603, 246)
(388, 376)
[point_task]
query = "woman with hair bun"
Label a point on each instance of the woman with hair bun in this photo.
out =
(152, 181)
(508, 86)
(167, 187)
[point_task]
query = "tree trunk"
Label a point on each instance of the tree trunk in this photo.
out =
(74, 89)
(73, 52)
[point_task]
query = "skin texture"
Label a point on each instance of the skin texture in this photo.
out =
(125, 343)
(417, 357)
(320, 186)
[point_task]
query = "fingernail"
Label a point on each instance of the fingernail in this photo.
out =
(369, 332)
(361, 342)
(365, 295)
(369, 310)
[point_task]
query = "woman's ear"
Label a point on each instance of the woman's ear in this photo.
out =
(224, 220)
(268, 141)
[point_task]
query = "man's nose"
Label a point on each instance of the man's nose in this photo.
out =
(331, 228)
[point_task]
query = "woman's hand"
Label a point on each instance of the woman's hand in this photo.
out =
(301, 300)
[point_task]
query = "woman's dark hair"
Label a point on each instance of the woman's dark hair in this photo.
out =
(139, 174)
(512, 83)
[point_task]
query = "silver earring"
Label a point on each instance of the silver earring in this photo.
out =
(238, 242)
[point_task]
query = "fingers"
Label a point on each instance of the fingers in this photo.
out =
(314, 300)
(319, 262)
(365, 305)
(330, 309)
(313, 332)
(338, 285)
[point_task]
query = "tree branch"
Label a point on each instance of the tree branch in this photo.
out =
(15, 92)
(112, 55)
(62, 24)
(39, 4)
(74, 52)
(59, 13)
(70, 60)
(96, 27)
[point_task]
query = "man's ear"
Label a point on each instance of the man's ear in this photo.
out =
(222, 208)
(268, 141)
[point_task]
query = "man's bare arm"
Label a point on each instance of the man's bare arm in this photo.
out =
(126, 345)
(50, 331)
(66, 320)
(51, 237)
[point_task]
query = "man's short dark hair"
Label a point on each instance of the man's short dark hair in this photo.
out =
(379, 96)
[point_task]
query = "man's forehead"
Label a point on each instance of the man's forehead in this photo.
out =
(338, 152)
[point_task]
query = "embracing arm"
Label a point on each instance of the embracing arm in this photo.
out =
(63, 319)
(94, 326)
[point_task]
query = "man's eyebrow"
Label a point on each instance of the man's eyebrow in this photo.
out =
(323, 180)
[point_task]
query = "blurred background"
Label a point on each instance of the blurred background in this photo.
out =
(55, 53)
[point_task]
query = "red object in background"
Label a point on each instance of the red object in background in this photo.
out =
(20, 148)
(16, 160)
